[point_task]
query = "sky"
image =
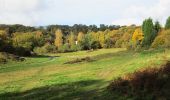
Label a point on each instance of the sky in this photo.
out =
(69, 12)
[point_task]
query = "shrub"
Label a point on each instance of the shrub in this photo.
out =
(95, 45)
(162, 40)
(64, 48)
(3, 58)
(74, 48)
(78, 60)
(118, 43)
(108, 43)
(47, 48)
(148, 84)
(40, 50)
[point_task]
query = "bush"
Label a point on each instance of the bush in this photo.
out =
(47, 48)
(74, 48)
(3, 58)
(162, 40)
(78, 60)
(108, 43)
(40, 50)
(95, 45)
(64, 48)
(118, 43)
(148, 84)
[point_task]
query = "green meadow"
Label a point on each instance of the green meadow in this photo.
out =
(53, 77)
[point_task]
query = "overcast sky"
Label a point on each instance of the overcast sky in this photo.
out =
(117, 12)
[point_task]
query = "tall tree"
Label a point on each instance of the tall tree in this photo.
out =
(157, 27)
(148, 31)
(72, 39)
(167, 25)
(59, 38)
(101, 38)
(137, 37)
(80, 37)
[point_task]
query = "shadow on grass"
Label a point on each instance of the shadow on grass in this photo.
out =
(80, 90)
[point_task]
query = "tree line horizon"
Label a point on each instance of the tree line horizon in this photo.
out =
(25, 40)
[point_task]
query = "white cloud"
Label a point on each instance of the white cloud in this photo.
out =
(20, 11)
(44, 12)
(158, 11)
(19, 5)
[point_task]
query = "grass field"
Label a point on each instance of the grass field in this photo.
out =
(47, 77)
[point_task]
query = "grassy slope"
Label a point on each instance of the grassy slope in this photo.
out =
(42, 77)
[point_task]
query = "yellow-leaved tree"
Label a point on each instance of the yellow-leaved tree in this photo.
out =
(59, 38)
(3, 34)
(80, 36)
(101, 38)
(137, 36)
(72, 39)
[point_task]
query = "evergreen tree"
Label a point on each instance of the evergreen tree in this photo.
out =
(157, 27)
(148, 31)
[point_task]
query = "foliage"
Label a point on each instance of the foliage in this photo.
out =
(137, 37)
(80, 37)
(3, 35)
(157, 27)
(3, 40)
(75, 48)
(24, 43)
(85, 43)
(3, 58)
(72, 39)
(148, 31)
(162, 40)
(64, 48)
(59, 38)
(167, 25)
(151, 83)
(24, 40)
(47, 48)
(101, 38)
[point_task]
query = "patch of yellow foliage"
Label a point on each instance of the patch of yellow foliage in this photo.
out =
(137, 36)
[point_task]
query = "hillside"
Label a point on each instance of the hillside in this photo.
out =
(52, 77)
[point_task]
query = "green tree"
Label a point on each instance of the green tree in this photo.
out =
(157, 27)
(23, 40)
(167, 25)
(148, 31)
(86, 42)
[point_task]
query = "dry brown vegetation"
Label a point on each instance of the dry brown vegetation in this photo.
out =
(147, 84)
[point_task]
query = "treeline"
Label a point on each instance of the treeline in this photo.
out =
(25, 40)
